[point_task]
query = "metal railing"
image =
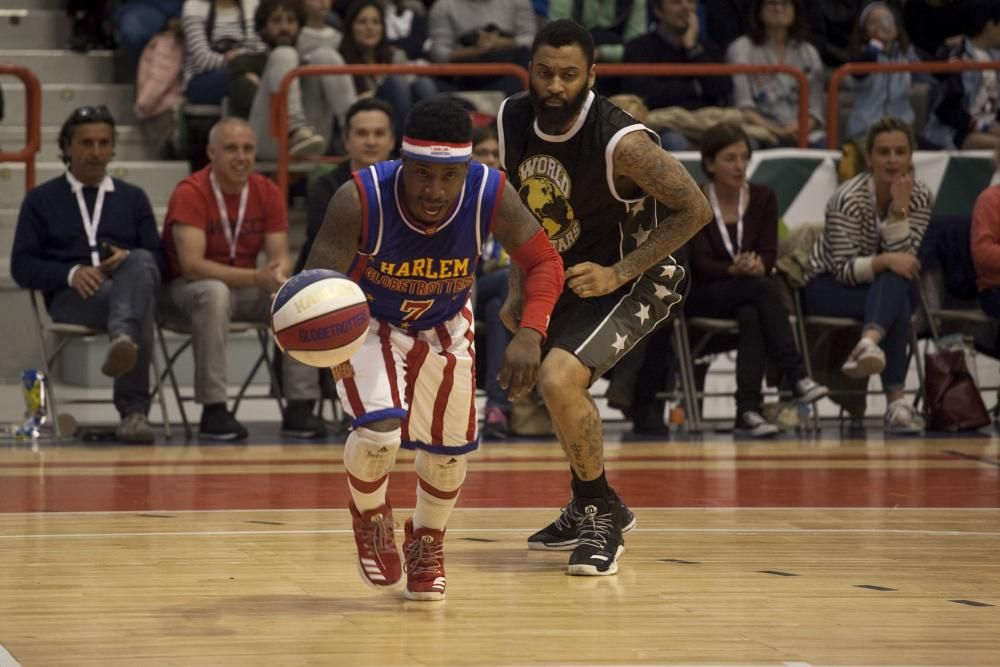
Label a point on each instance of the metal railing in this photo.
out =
(32, 122)
(279, 106)
(833, 88)
(719, 69)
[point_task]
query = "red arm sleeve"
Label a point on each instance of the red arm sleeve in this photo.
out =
(543, 280)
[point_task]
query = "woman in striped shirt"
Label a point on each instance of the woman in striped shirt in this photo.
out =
(864, 265)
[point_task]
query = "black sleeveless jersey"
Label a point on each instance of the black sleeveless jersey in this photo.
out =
(566, 181)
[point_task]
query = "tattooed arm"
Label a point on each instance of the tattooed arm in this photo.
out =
(641, 164)
(663, 177)
(337, 242)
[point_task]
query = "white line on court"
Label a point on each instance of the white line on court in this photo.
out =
(6, 659)
(499, 509)
(348, 531)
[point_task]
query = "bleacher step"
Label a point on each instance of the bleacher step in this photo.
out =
(157, 178)
(31, 28)
(60, 99)
(62, 66)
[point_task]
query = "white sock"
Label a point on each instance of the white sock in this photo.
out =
(440, 478)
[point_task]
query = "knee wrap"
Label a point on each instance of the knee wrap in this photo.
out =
(369, 455)
(445, 473)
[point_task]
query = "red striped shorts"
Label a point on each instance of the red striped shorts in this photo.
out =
(425, 378)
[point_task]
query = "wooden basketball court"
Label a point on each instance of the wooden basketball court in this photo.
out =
(812, 552)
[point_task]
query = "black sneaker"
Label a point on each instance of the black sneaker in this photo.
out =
(599, 532)
(560, 535)
(217, 423)
(301, 422)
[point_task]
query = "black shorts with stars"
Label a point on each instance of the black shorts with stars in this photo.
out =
(601, 330)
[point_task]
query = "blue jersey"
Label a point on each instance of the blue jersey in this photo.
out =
(417, 276)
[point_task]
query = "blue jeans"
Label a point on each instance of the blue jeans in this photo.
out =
(208, 87)
(491, 292)
(139, 20)
(989, 301)
(124, 304)
(886, 305)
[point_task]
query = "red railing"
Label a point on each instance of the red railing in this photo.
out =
(279, 106)
(719, 69)
(833, 88)
(32, 122)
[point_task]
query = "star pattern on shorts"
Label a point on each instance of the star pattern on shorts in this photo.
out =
(619, 343)
(661, 292)
(641, 235)
(643, 313)
(638, 207)
(667, 271)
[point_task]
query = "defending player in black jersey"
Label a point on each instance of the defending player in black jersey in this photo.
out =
(615, 205)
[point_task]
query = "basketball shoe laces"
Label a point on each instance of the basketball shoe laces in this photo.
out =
(568, 518)
(424, 557)
(595, 528)
(377, 535)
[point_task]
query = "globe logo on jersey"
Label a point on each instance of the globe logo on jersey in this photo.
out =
(545, 191)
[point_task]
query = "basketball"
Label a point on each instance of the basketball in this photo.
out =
(320, 317)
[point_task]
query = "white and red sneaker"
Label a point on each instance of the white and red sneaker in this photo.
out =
(378, 559)
(424, 553)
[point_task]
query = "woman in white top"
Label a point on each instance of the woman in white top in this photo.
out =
(776, 36)
(215, 32)
(865, 263)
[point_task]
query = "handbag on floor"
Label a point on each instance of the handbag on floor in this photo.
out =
(953, 399)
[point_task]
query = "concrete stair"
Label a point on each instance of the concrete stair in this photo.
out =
(52, 65)
(32, 28)
(158, 179)
(53, 5)
(130, 146)
(60, 99)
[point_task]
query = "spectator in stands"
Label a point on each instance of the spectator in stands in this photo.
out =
(611, 24)
(865, 263)
(365, 42)
(137, 21)
(89, 243)
(325, 99)
(215, 33)
(218, 221)
(483, 31)
(831, 25)
(368, 138)
(491, 292)
(728, 20)
(879, 39)
(965, 107)
(255, 78)
(675, 40)
(406, 26)
(731, 264)
(89, 26)
(985, 242)
(776, 35)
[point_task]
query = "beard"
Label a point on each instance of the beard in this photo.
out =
(553, 120)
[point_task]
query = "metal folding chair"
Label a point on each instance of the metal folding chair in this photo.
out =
(262, 332)
(63, 333)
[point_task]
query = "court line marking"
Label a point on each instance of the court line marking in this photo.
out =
(349, 531)
(137, 512)
(6, 659)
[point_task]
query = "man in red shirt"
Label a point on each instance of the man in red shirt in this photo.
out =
(218, 221)
(986, 246)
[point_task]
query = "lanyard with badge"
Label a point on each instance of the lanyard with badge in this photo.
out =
(232, 236)
(90, 224)
(721, 223)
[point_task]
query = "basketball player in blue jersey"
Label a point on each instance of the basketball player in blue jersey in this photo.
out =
(615, 205)
(410, 232)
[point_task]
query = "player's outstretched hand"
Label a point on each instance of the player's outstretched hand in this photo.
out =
(521, 360)
(588, 280)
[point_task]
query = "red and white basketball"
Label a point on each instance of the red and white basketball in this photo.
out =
(320, 317)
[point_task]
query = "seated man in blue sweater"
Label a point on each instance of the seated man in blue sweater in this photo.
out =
(89, 243)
